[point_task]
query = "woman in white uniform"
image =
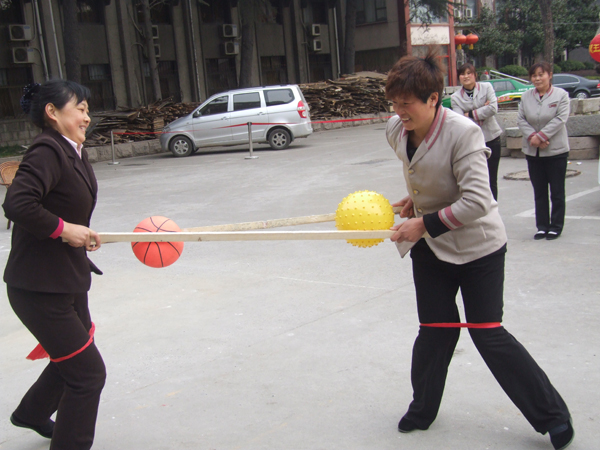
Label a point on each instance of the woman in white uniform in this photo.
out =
(445, 168)
(478, 102)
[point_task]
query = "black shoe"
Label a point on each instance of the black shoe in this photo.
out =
(406, 426)
(552, 235)
(539, 235)
(562, 436)
(45, 430)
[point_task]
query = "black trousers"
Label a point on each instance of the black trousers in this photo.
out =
(61, 323)
(481, 284)
(493, 163)
(544, 172)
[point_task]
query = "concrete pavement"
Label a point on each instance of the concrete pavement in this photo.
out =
(306, 344)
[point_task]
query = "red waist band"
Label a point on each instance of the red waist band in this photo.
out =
(39, 353)
(463, 325)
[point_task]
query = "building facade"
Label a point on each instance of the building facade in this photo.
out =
(197, 46)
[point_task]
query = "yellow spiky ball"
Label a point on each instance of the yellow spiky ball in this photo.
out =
(364, 210)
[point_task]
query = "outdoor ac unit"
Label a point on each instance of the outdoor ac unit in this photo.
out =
(23, 55)
(229, 30)
(469, 13)
(154, 31)
(315, 30)
(231, 48)
(316, 45)
(458, 14)
(20, 32)
(157, 50)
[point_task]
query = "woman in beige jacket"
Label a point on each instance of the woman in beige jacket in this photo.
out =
(542, 118)
(478, 102)
(457, 241)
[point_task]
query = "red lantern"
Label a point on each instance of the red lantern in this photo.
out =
(459, 40)
(595, 48)
(471, 39)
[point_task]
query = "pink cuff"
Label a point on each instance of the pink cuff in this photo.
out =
(530, 136)
(543, 136)
(59, 229)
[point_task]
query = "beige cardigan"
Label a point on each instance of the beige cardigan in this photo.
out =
(448, 175)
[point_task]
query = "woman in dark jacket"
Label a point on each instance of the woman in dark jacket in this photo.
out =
(51, 199)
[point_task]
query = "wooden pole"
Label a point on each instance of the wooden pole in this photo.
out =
(273, 223)
(187, 236)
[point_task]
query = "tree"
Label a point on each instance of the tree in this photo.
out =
(546, 12)
(149, 41)
(349, 45)
(248, 13)
(71, 40)
(573, 24)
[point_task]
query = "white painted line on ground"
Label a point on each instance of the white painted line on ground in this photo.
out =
(531, 212)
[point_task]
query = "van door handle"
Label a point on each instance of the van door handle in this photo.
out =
(224, 118)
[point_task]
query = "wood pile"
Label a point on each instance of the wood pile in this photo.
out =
(346, 97)
(140, 124)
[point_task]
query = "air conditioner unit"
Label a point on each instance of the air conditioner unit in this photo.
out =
(154, 31)
(316, 45)
(469, 13)
(458, 14)
(23, 55)
(20, 32)
(229, 30)
(231, 48)
(315, 30)
(157, 50)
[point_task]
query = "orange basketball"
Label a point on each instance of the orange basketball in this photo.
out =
(157, 254)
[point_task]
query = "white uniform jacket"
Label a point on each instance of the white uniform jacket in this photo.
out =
(547, 117)
(448, 177)
(483, 115)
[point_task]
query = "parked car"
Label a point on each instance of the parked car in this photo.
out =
(279, 114)
(576, 86)
(506, 90)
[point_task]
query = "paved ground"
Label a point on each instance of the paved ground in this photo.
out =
(306, 345)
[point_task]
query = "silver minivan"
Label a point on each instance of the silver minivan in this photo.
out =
(279, 114)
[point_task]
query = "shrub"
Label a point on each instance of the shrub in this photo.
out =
(588, 65)
(572, 65)
(557, 69)
(514, 70)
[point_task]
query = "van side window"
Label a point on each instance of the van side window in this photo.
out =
(246, 101)
(279, 97)
(217, 106)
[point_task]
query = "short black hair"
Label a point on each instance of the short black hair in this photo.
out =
(467, 66)
(420, 77)
(59, 93)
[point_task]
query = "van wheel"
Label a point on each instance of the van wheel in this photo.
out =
(181, 146)
(279, 139)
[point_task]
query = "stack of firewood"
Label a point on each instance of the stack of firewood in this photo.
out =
(346, 97)
(136, 124)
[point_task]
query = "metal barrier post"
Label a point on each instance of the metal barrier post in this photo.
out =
(112, 145)
(251, 156)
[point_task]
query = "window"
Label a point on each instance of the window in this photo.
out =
(279, 97)
(370, 11)
(217, 106)
(220, 74)
(246, 101)
(215, 12)
(422, 12)
(273, 69)
(159, 13)
(97, 78)
(90, 11)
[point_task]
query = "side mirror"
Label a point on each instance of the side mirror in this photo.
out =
(197, 113)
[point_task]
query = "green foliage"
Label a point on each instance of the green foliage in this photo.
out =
(557, 69)
(514, 70)
(517, 25)
(588, 65)
(11, 150)
(570, 65)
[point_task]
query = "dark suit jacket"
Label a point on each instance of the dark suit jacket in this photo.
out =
(52, 182)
